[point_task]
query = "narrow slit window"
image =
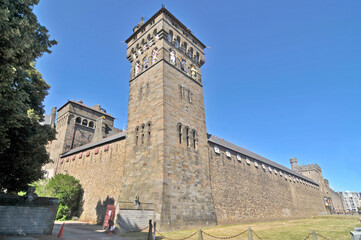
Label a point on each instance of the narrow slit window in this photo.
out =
(143, 134)
(149, 128)
(181, 91)
(187, 136)
(180, 133)
(136, 136)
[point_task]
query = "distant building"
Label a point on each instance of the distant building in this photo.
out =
(333, 200)
(351, 200)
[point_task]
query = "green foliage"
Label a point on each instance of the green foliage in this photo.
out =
(63, 213)
(22, 91)
(41, 187)
(67, 189)
(21, 193)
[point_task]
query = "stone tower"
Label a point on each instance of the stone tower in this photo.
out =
(166, 154)
(76, 125)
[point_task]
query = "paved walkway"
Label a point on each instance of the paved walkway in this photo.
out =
(72, 231)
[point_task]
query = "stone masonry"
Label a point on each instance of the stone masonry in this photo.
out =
(190, 178)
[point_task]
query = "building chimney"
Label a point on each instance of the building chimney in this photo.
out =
(294, 163)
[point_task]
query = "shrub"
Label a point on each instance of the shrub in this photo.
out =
(63, 213)
(67, 189)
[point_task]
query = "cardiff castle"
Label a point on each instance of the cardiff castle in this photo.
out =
(165, 166)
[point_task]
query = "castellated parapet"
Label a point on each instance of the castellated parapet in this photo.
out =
(309, 167)
(185, 177)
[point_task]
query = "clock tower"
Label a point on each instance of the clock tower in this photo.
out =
(166, 151)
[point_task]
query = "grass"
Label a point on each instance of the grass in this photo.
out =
(331, 227)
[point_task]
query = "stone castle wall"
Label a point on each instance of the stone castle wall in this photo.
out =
(337, 203)
(100, 171)
(243, 192)
(188, 184)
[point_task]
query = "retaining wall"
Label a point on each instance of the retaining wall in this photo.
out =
(19, 217)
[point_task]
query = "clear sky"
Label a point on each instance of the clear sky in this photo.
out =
(282, 78)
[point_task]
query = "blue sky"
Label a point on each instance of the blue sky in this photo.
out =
(281, 78)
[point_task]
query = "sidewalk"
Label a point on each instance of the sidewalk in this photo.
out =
(72, 231)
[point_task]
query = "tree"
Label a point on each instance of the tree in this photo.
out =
(67, 189)
(22, 91)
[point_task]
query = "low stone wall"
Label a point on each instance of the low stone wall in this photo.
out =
(18, 216)
(133, 219)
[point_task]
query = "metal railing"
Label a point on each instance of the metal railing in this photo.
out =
(132, 206)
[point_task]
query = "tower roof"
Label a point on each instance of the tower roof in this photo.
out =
(83, 105)
(165, 11)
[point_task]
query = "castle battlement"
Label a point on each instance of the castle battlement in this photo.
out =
(309, 167)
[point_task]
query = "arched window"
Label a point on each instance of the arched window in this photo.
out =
(187, 136)
(190, 53)
(180, 132)
(145, 63)
(136, 136)
(91, 124)
(177, 42)
(184, 47)
(155, 32)
(143, 126)
(194, 138)
(149, 125)
(170, 36)
(184, 65)
(85, 122)
(196, 58)
(78, 120)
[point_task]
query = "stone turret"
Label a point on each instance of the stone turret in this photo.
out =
(294, 163)
(100, 129)
(53, 117)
